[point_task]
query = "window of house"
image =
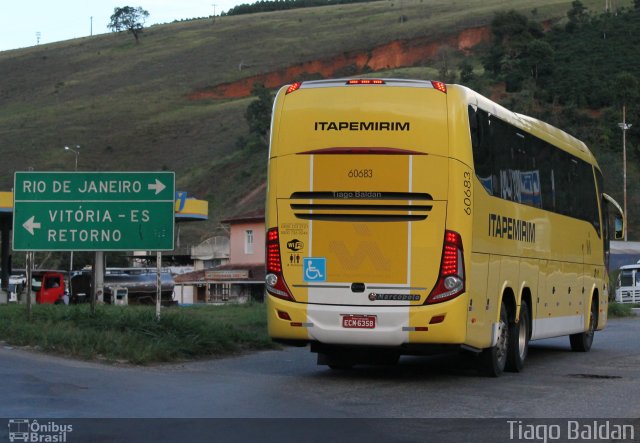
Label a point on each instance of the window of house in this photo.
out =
(248, 241)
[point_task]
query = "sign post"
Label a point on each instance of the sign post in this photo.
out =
(29, 266)
(93, 211)
(158, 283)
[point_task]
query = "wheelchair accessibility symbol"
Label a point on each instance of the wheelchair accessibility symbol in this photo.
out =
(314, 268)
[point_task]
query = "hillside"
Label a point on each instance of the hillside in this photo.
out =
(166, 103)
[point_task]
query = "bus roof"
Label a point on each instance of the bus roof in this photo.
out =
(531, 125)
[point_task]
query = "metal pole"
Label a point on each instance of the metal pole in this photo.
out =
(29, 282)
(71, 254)
(625, 127)
(158, 283)
(624, 165)
(76, 152)
(5, 261)
(98, 280)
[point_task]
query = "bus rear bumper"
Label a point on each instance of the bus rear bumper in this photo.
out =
(387, 326)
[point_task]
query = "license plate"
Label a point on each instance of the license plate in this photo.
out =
(359, 321)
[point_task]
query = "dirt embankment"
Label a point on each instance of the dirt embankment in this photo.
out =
(397, 54)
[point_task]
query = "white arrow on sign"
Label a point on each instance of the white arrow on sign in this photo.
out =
(157, 186)
(31, 224)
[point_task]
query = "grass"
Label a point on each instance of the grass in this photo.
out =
(620, 310)
(133, 335)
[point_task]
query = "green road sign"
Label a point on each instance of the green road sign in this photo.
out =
(93, 211)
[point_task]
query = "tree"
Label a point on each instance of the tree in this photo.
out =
(513, 34)
(466, 72)
(258, 117)
(445, 71)
(129, 19)
(540, 57)
(625, 88)
(577, 15)
(258, 114)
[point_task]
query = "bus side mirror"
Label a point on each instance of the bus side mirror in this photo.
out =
(619, 231)
(619, 221)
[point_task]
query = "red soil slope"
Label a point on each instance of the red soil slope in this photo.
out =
(397, 54)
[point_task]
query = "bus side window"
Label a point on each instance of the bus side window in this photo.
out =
(481, 145)
(474, 128)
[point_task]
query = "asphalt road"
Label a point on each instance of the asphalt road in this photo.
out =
(287, 384)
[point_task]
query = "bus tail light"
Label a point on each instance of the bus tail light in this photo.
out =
(365, 81)
(451, 281)
(293, 87)
(440, 86)
(274, 279)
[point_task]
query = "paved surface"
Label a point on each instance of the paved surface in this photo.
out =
(556, 383)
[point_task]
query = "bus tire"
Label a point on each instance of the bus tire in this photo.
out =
(519, 334)
(493, 360)
(582, 341)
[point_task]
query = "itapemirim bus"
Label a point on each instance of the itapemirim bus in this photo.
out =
(404, 216)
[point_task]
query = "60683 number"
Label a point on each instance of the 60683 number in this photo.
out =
(360, 173)
(467, 192)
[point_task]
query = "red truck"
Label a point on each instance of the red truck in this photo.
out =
(48, 286)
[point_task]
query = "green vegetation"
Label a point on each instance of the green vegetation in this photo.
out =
(577, 76)
(258, 117)
(133, 335)
(128, 19)
(620, 310)
(282, 5)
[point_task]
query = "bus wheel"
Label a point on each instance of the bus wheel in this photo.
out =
(582, 341)
(493, 360)
(519, 343)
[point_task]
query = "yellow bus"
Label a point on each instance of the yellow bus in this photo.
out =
(405, 216)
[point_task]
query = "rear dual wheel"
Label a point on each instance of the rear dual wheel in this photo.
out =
(512, 344)
(519, 343)
(582, 341)
(494, 360)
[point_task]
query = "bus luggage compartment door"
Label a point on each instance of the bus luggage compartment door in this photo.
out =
(364, 252)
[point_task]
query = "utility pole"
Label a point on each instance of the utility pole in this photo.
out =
(214, 13)
(91, 26)
(76, 151)
(625, 127)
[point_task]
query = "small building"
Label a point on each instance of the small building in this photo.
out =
(239, 280)
(212, 252)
